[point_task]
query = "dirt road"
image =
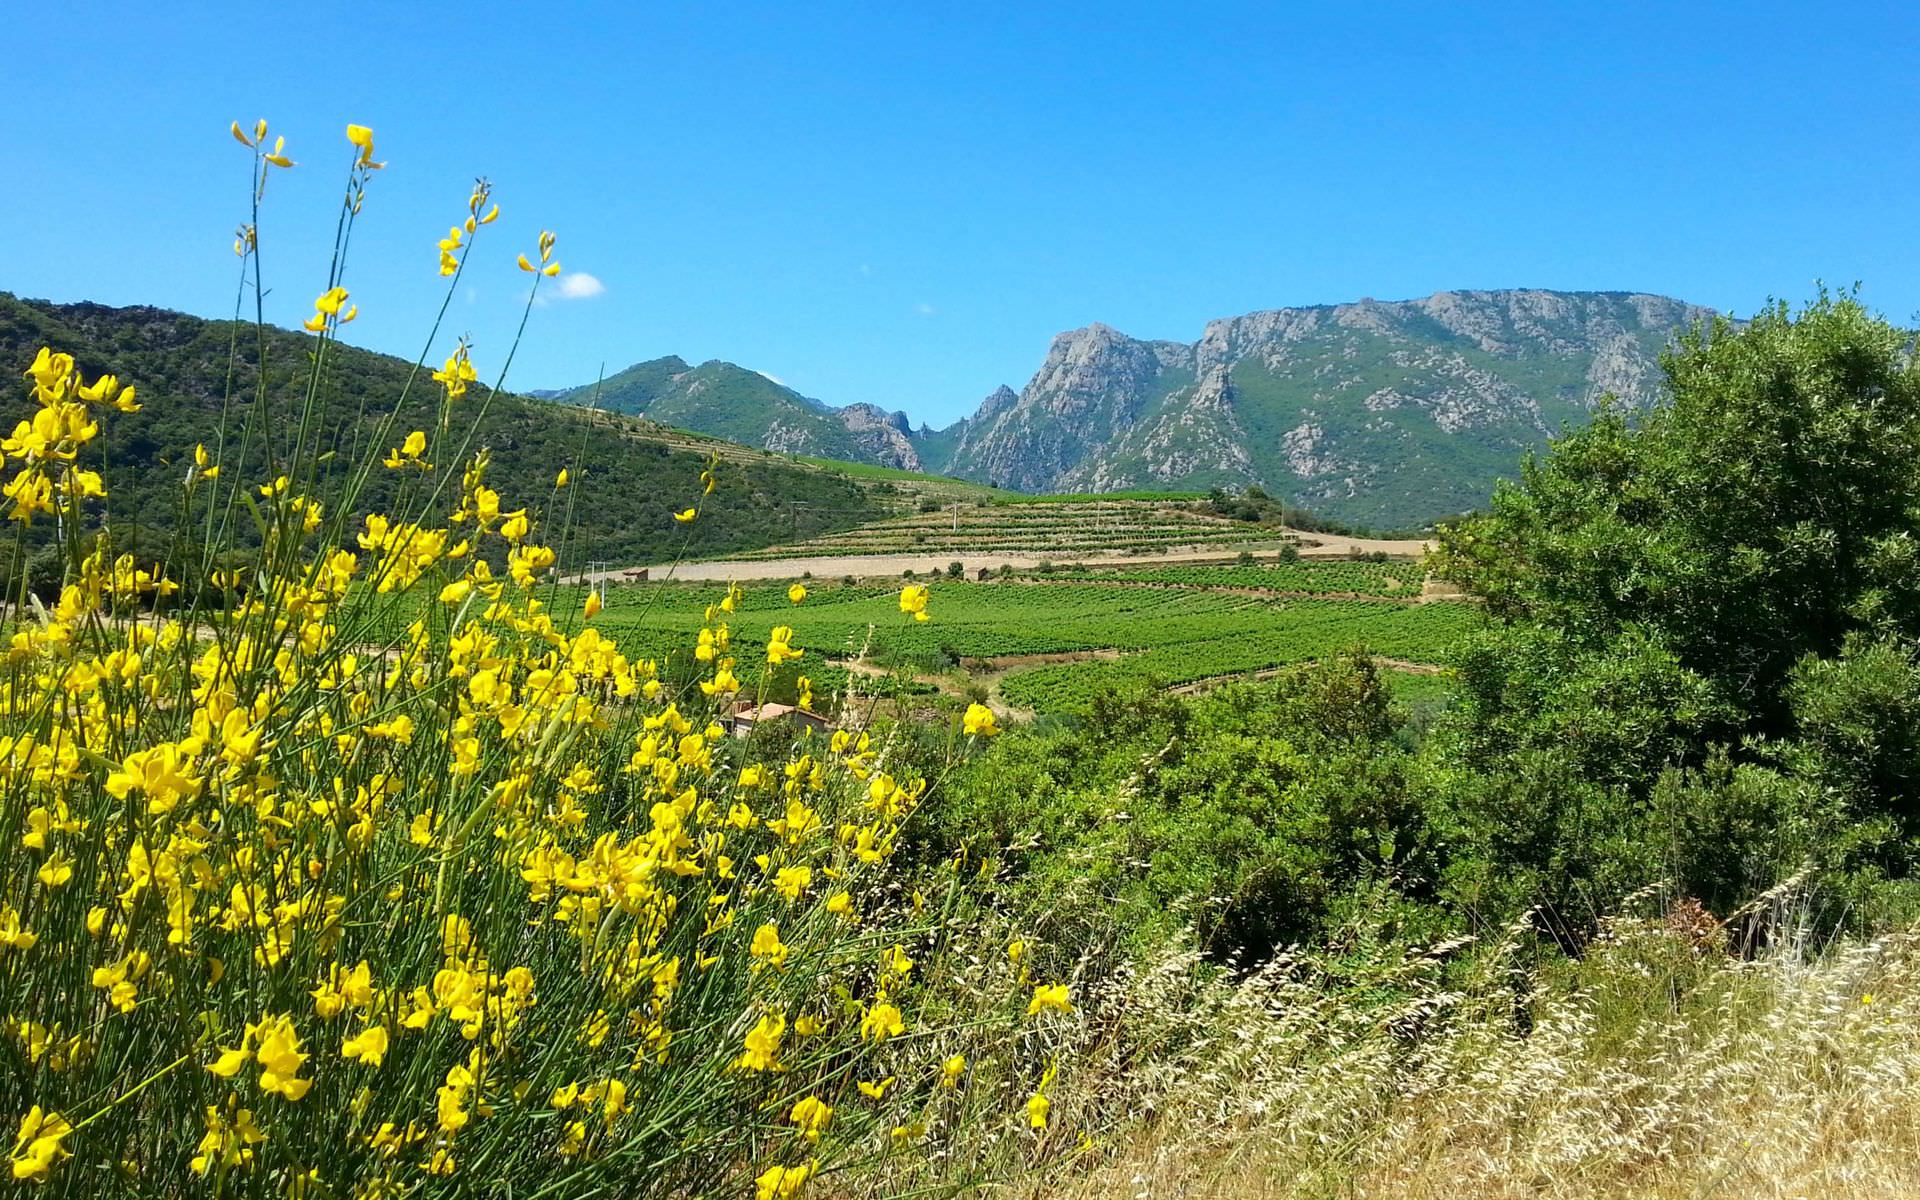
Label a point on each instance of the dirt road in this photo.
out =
(891, 565)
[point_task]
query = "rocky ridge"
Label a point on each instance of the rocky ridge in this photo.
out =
(1385, 413)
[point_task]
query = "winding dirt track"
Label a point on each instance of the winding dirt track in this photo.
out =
(833, 566)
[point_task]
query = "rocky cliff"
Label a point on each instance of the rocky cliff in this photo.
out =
(1386, 413)
(1379, 413)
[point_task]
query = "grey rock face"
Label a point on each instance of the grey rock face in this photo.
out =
(886, 437)
(1386, 412)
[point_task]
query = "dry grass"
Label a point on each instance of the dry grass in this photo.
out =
(1658, 1067)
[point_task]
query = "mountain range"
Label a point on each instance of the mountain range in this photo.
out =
(1379, 413)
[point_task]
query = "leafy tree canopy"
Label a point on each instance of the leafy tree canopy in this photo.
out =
(1765, 510)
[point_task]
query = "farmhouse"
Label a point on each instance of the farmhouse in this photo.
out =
(747, 716)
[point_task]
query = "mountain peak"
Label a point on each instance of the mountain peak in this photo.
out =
(1383, 412)
(743, 405)
(1387, 412)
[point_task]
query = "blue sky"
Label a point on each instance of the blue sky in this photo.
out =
(902, 203)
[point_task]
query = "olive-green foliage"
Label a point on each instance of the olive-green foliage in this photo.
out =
(1253, 812)
(1858, 718)
(1764, 511)
(1702, 664)
(626, 484)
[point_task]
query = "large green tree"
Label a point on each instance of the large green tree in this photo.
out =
(1767, 509)
(1665, 586)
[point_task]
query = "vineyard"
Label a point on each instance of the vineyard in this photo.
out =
(1049, 648)
(1322, 578)
(1246, 639)
(1060, 529)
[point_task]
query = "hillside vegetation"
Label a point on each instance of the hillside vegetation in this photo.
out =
(993, 527)
(626, 471)
(724, 400)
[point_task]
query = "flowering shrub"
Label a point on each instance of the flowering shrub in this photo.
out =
(295, 906)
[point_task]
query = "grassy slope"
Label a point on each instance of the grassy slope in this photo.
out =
(1096, 497)
(1659, 1068)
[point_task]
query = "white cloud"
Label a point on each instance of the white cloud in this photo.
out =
(770, 375)
(578, 285)
(924, 309)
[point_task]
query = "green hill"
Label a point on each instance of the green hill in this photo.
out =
(631, 475)
(744, 406)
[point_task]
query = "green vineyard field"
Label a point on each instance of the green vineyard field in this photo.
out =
(1366, 579)
(1050, 647)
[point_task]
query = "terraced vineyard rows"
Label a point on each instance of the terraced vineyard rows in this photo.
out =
(1058, 529)
(1251, 642)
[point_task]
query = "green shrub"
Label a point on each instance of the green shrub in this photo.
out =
(1252, 813)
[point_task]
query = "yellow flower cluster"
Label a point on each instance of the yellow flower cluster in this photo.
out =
(243, 825)
(38, 1145)
(47, 445)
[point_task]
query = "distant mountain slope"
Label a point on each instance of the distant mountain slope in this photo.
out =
(1384, 414)
(724, 400)
(1378, 413)
(630, 476)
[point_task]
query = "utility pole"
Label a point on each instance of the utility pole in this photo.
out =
(595, 577)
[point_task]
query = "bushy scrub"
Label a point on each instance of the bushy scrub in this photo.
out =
(1252, 812)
